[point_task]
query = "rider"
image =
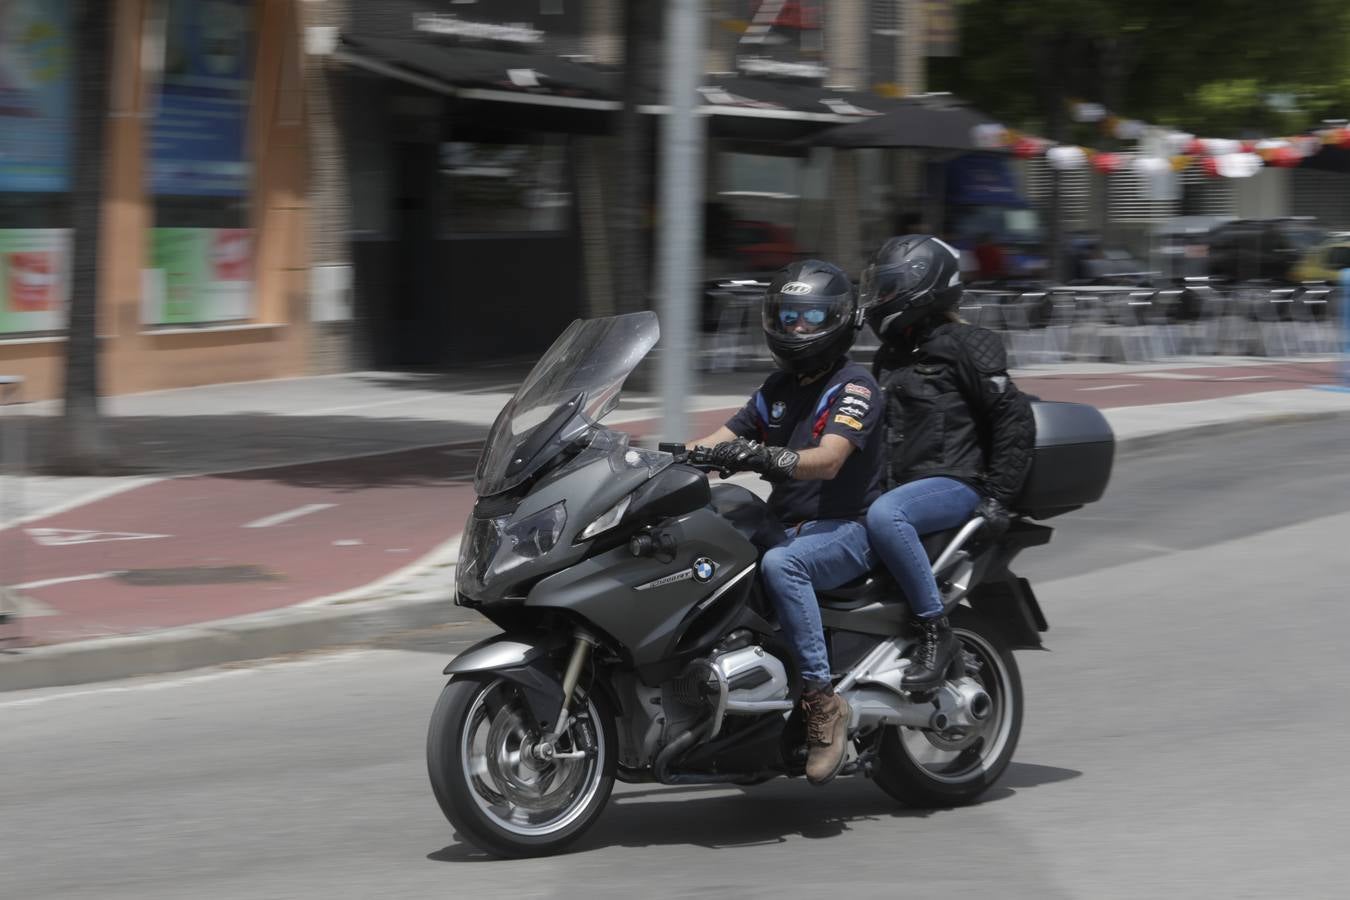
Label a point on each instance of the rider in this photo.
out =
(959, 433)
(811, 430)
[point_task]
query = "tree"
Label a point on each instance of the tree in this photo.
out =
(1187, 65)
(1169, 63)
(79, 443)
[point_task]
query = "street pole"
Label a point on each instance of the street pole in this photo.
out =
(679, 264)
(1345, 328)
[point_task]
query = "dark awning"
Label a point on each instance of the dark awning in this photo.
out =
(917, 123)
(472, 73)
(736, 107)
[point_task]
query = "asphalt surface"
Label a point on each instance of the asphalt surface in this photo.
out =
(1184, 738)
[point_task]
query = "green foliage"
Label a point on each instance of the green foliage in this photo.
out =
(1205, 67)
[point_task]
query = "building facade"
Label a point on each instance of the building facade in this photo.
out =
(203, 260)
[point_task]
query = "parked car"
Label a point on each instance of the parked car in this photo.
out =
(1261, 249)
(1325, 261)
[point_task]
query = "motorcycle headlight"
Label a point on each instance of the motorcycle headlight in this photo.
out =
(607, 520)
(528, 539)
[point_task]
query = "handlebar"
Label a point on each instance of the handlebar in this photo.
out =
(697, 456)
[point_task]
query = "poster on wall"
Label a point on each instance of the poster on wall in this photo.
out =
(35, 101)
(198, 275)
(34, 279)
(200, 120)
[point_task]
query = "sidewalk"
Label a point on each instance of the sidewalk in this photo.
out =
(270, 517)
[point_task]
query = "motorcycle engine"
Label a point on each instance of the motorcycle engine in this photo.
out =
(747, 680)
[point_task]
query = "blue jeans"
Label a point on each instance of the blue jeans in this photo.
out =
(822, 554)
(895, 522)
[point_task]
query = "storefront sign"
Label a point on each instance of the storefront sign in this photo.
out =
(515, 32)
(35, 95)
(198, 275)
(757, 65)
(34, 279)
(197, 137)
(553, 27)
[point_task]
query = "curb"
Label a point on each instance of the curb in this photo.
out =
(390, 604)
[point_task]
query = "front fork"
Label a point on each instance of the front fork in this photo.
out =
(576, 664)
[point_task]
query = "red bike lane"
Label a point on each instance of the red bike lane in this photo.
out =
(196, 549)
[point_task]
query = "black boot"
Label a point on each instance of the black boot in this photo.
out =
(931, 656)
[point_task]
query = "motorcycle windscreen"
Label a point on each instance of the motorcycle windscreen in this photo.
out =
(586, 366)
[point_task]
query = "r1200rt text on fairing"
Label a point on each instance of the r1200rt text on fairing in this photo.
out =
(637, 644)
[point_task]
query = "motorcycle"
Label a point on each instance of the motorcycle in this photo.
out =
(637, 644)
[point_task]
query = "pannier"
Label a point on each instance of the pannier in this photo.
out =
(1072, 463)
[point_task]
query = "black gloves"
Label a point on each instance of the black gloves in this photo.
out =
(996, 518)
(776, 464)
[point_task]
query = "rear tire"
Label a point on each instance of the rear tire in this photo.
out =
(927, 769)
(490, 788)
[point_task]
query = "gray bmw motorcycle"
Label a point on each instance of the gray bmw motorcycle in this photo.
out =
(637, 644)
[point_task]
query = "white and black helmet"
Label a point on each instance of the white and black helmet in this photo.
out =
(908, 279)
(810, 316)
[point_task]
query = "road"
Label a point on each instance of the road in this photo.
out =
(1184, 738)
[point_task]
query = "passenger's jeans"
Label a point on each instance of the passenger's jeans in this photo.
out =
(895, 523)
(822, 554)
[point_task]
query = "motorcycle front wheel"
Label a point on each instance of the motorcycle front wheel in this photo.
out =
(926, 768)
(497, 792)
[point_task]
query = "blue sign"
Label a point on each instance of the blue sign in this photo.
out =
(35, 95)
(200, 124)
(981, 179)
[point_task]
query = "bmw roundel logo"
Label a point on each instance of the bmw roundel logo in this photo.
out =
(704, 568)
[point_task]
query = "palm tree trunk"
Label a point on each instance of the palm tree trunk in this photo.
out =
(79, 445)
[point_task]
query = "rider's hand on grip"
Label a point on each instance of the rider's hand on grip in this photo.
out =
(776, 464)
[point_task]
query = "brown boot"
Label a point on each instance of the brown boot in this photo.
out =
(827, 718)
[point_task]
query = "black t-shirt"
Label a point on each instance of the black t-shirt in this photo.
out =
(786, 413)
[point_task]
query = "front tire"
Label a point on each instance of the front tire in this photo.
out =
(924, 769)
(491, 787)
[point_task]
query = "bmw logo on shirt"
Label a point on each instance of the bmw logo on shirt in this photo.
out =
(704, 568)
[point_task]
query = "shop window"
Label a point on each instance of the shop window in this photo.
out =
(35, 141)
(496, 188)
(200, 266)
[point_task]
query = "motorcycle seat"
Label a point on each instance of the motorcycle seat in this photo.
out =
(877, 586)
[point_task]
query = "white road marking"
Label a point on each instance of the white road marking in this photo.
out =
(64, 537)
(48, 582)
(1110, 387)
(269, 521)
(349, 542)
(100, 494)
(1245, 378)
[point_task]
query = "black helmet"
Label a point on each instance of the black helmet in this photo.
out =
(908, 279)
(810, 316)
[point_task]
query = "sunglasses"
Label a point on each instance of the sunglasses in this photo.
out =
(789, 317)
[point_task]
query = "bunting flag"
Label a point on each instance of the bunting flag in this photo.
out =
(1161, 148)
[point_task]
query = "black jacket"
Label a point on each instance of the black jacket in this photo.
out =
(952, 410)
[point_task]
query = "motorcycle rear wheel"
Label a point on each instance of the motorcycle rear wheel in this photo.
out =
(494, 791)
(934, 770)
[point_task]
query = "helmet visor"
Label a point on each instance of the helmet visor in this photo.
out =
(881, 283)
(803, 317)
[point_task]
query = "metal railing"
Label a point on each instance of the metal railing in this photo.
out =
(1089, 322)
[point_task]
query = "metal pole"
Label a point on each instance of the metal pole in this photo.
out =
(11, 503)
(679, 264)
(1345, 328)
